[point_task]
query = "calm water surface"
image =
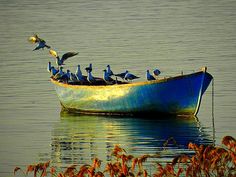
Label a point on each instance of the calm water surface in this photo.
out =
(133, 35)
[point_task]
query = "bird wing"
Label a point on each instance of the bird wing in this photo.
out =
(132, 76)
(121, 75)
(68, 55)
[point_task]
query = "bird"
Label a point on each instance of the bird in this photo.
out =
(53, 71)
(49, 66)
(107, 78)
(59, 74)
(41, 43)
(90, 77)
(109, 71)
(73, 77)
(89, 68)
(149, 76)
(60, 61)
(122, 75)
(156, 72)
(130, 76)
(68, 73)
(79, 75)
(78, 72)
(65, 77)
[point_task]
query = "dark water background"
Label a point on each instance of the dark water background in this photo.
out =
(133, 35)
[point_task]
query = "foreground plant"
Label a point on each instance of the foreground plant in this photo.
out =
(207, 161)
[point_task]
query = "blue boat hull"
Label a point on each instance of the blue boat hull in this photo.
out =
(180, 95)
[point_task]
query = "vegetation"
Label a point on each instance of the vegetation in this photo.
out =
(207, 161)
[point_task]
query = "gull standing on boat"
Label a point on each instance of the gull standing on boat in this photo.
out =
(107, 78)
(122, 75)
(149, 76)
(130, 76)
(53, 71)
(90, 77)
(109, 71)
(65, 77)
(60, 61)
(79, 75)
(89, 69)
(59, 74)
(73, 77)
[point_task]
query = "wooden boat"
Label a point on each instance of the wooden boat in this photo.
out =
(179, 95)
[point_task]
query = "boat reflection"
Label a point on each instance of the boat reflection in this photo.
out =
(77, 139)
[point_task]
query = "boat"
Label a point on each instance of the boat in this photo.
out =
(178, 95)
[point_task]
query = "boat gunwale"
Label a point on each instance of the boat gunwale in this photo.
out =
(128, 84)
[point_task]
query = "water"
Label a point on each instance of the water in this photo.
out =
(133, 35)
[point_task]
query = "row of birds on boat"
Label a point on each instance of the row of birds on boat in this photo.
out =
(57, 73)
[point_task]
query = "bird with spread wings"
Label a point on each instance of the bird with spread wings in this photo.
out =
(41, 43)
(60, 61)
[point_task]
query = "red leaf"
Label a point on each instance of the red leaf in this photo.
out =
(16, 169)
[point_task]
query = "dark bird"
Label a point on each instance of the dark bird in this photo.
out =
(49, 66)
(73, 77)
(130, 76)
(109, 71)
(90, 77)
(59, 74)
(60, 61)
(107, 78)
(149, 76)
(41, 43)
(122, 75)
(53, 71)
(89, 69)
(156, 72)
(79, 75)
(65, 77)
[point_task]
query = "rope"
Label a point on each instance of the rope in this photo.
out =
(212, 111)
